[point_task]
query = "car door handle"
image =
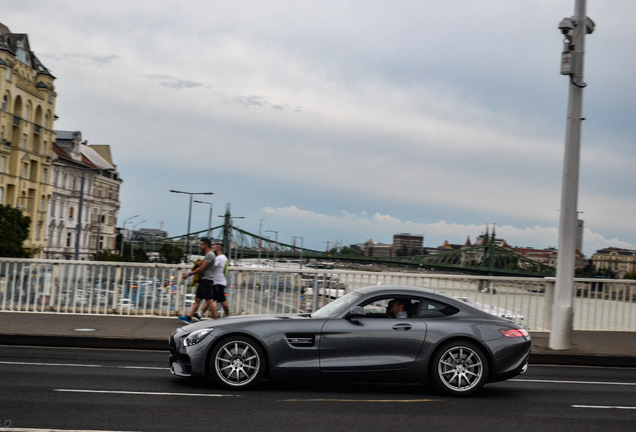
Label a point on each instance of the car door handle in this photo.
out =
(402, 327)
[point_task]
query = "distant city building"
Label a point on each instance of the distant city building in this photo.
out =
(75, 160)
(150, 234)
(26, 133)
(620, 261)
(408, 244)
(549, 256)
(378, 250)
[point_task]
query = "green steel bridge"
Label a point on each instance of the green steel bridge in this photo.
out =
(487, 258)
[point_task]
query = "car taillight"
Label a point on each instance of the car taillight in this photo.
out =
(514, 332)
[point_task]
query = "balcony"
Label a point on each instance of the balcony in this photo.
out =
(36, 129)
(16, 120)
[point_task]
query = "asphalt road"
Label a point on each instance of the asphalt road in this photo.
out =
(124, 390)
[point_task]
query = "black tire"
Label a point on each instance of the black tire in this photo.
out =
(237, 363)
(459, 368)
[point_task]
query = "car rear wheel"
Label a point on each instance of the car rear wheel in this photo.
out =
(237, 362)
(459, 368)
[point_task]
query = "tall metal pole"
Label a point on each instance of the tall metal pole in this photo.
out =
(561, 332)
(209, 216)
(188, 244)
(275, 244)
(121, 254)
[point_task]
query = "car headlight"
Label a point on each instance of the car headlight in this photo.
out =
(196, 337)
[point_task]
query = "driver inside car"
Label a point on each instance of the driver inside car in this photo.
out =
(398, 309)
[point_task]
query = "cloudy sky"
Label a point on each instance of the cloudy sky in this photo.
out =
(348, 120)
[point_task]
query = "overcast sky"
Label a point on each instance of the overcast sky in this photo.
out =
(348, 120)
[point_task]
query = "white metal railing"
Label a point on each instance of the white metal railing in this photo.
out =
(160, 290)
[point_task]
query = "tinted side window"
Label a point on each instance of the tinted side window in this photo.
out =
(431, 309)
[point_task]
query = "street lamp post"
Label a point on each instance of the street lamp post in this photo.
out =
(187, 257)
(123, 228)
(132, 246)
(275, 244)
(209, 217)
(302, 244)
(574, 30)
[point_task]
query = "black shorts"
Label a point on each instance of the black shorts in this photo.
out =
(219, 293)
(205, 290)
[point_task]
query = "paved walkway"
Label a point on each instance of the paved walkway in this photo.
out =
(594, 348)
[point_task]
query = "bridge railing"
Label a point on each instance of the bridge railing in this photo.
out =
(83, 287)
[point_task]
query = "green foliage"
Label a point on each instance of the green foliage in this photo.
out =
(107, 255)
(14, 230)
(346, 251)
(630, 275)
(171, 253)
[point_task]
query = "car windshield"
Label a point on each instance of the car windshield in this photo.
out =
(334, 308)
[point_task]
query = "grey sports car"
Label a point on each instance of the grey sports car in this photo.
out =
(399, 334)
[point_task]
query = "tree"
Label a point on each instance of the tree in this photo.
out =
(106, 255)
(14, 230)
(171, 253)
(630, 275)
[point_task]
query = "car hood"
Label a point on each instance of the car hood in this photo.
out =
(236, 319)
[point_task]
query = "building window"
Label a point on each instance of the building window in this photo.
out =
(50, 96)
(42, 201)
(5, 103)
(26, 113)
(24, 141)
(45, 174)
(1, 195)
(70, 213)
(38, 231)
(68, 239)
(8, 73)
(44, 147)
(46, 121)
(25, 170)
(3, 164)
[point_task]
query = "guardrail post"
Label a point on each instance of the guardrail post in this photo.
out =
(55, 282)
(239, 287)
(118, 283)
(547, 303)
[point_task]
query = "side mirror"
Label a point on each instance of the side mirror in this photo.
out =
(357, 312)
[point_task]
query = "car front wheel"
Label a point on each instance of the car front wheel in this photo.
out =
(459, 368)
(237, 362)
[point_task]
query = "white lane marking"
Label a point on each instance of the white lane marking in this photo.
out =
(83, 365)
(604, 407)
(144, 393)
(574, 382)
(140, 367)
(577, 366)
(50, 364)
(50, 430)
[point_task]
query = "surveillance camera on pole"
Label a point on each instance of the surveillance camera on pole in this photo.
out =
(571, 57)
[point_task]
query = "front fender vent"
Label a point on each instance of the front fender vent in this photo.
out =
(301, 340)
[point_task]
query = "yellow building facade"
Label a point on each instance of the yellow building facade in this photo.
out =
(26, 133)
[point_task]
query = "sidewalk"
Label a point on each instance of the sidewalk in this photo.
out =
(591, 348)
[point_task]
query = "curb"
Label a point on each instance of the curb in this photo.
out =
(583, 360)
(85, 342)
